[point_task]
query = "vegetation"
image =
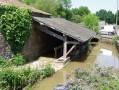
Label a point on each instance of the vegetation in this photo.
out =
(18, 59)
(91, 22)
(116, 37)
(108, 16)
(96, 79)
(12, 78)
(82, 11)
(15, 24)
(4, 63)
(16, 78)
(47, 70)
(79, 13)
(15, 60)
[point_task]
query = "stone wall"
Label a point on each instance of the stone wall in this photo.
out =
(38, 43)
(5, 50)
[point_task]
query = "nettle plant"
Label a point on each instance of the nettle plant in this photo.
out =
(15, 24)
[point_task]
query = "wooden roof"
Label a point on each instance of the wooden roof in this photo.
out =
(76, 31)
(17, 3)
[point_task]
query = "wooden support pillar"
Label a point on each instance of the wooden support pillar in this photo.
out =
(65, 47)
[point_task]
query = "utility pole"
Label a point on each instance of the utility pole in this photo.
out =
(117, 16)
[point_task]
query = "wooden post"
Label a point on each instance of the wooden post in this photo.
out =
(65, 47)
(55, 52)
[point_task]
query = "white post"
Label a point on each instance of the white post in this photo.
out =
(65, 47)
(117, 16)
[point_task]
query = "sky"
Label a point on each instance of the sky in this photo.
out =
(96, 5)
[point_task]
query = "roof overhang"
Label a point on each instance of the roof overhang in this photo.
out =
(76, 31)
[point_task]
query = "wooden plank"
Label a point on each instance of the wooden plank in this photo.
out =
(71, 49)
(46, 30)
(72, 42)
(58, 47)
(93, 42)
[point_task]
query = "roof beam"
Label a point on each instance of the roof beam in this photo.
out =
(46, 30)
(72, 42)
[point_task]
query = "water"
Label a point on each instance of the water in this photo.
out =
(104, 54)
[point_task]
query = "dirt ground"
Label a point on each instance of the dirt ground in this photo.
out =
(42, 61)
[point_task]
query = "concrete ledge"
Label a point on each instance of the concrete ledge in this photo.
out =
(62, 61)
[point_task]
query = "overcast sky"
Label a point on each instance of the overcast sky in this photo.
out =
(96, 5)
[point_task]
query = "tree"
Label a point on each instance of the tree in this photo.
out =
(118, 17)
(67, 5)
(110, 19)
(108, 16)
(76, 18)
(91, 21)
(61, 11)
(49, 6)
(75, 11)
(102, 14)
(79, 13)
(83, 10)
(59, 8)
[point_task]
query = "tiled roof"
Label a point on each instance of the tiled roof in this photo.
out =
(76, 31)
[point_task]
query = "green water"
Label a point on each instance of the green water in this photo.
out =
(104, 54)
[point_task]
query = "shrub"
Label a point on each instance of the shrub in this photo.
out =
(18, 59)
(4, 62)
(17, 78)
(15, 24)
(116, 37)
(91, 22)
(47, 70)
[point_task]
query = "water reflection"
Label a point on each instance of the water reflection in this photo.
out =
(107, 58)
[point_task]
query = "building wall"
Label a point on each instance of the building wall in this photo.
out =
(5, 50)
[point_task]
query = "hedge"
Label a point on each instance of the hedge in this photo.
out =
(15, 24)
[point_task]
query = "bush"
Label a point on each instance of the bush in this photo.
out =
(4, 62)
(92, 22)
(116, 37)
(47, 70)
(15, 24)
(17, 78)
(18, 59)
